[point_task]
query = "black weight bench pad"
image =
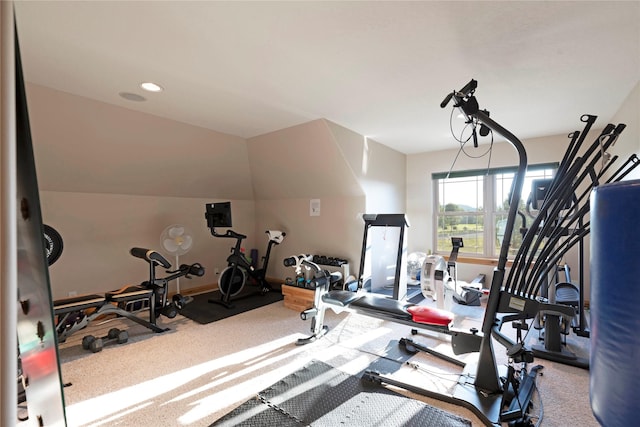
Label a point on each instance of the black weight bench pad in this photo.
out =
(369, 302)
(340, 298)
(82, 302)
(380, 304)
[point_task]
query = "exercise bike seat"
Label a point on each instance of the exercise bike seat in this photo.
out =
(276, 236)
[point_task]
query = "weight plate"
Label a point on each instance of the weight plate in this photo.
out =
(52, 244)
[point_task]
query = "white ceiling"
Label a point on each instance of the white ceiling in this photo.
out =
(378, 68)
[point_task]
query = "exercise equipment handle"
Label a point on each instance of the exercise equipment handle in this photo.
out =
(229, 234)
(462, 93)
(290, 261)
(299, 260)
(150, 256)
(321, 277)
(186, 271)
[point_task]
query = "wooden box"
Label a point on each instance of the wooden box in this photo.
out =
(298, 299)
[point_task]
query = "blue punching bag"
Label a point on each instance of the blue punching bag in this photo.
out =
(615, 303)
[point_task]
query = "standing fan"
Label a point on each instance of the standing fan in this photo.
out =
(176, 239)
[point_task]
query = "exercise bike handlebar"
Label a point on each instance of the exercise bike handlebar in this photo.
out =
(150, 256)
(229, 234)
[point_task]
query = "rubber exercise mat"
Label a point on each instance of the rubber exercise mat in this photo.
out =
(320, 395)
(202, 311)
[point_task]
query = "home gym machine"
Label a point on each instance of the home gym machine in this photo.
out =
(75, 313)
(463, 293)
(560, 210)
(496, 395)
(517, 298)
(233, 278)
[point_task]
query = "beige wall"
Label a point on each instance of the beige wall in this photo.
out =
(629, 141)
(316, 160)
(111, 178)
(86, 146)
(380, 170)
(100, 229)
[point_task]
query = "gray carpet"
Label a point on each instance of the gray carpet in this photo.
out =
(193, 374)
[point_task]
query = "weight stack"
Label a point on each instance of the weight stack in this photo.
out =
(615, 303)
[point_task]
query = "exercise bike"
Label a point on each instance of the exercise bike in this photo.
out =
(239, 269)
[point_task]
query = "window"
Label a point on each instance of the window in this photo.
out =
(474, 205)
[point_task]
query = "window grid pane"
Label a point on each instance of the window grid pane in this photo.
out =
(461, 211)
(503, 183)
(461, 214)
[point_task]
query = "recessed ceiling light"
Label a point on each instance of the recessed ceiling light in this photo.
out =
(151, 87)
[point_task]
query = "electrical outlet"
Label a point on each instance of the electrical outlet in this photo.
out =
(216, 271)
(73, 293)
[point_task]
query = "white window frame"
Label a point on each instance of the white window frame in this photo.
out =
(491, 247)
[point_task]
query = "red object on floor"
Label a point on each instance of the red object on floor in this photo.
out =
(430, 315)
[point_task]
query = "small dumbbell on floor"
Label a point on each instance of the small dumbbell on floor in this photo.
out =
(96, 344)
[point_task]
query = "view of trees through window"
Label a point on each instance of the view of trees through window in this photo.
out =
(475, 205)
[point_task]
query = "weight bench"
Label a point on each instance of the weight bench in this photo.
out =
(76, 313)
(382, 306)
(378, 306)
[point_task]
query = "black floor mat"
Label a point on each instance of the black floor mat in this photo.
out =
(320, 395)
(202, 311)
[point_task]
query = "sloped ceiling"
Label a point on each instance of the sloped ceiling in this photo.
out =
(378, 68)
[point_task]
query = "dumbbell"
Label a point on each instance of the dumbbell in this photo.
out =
(96, 344)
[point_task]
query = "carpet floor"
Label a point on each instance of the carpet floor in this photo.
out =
(195, 374)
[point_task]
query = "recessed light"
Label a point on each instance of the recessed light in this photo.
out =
(132, 96)
(151, 87)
